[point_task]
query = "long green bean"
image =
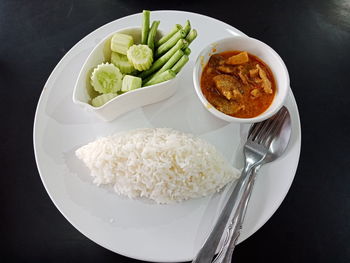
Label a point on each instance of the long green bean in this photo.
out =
(170, 43)
(171, 62)
(145, 26)
(187, 27)
(152, 34)
(191, 36)
(165, 38)
(179, 65)
(187, 51)
(163, 59)
(166, 75)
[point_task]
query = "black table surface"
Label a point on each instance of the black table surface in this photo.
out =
(312, 37)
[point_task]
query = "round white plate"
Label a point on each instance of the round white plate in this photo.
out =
(134, 228)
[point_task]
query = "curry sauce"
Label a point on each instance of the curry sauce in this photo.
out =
(238, 84)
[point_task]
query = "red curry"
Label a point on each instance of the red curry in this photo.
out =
(238, 84)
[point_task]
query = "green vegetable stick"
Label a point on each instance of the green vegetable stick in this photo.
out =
(171, 62)
(170, 43)
(187, 27)
(187, 51)
(152, 34)
(165, 38)
(191, 36)
(179, 65)
(145, 26)
(163, 59)
(166, 75)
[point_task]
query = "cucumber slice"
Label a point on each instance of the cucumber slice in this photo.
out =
(102, 99)
(122, 62)
(141, 56)
(121, 42)
(130, 83)
(106, 78)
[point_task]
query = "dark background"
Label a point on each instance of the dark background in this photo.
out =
(313, 38)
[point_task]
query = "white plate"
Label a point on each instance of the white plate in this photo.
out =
(138, 229)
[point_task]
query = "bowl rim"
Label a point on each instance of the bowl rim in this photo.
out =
(283, 92)
(120, 96)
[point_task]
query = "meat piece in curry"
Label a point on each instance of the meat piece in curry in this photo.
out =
(228, 86)
(238, 59)
(238, 84)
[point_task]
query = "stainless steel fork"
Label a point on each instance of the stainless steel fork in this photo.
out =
(256, 151)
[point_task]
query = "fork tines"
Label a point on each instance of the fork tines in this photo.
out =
(263, 132)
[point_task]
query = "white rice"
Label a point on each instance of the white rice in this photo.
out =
(160, 164)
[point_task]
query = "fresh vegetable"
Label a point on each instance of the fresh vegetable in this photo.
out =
(121, 42)
(191, 36)
(133, 65)
(170, 43)
(163, 59)
(106, 78)
(145, 26)
(165, 38)
(166, 75)
(122, 62)
(187, 27)
(130, 83)
(168, 65)
(102, 99)
(180, 64)
(140, 56)
(187, 51)
(152, 35)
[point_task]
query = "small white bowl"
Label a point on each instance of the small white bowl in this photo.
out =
(254, 47)
(84, 92)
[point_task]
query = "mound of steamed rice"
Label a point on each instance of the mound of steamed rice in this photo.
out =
(160, 164)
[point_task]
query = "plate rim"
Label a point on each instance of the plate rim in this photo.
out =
(53, 73)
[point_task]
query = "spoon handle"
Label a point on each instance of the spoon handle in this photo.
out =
(207, 252)
(235, 226)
